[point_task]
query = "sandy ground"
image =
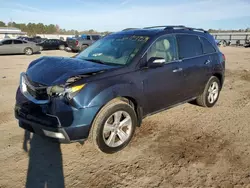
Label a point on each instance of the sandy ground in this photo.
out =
(187, 146)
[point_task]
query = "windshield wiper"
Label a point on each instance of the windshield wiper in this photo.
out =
(95, 60)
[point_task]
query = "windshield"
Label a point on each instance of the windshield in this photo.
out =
(114, 49)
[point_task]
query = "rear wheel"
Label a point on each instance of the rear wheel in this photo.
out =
(210, 94)
(114, 126)
(61, 47)
(28, 51)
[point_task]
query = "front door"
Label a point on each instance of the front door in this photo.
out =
(163, 85)
(6, 47)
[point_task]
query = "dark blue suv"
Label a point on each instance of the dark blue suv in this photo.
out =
(105, 91)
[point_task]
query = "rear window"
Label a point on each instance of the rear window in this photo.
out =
(95, 37)
(188, 46)
(18, 42)
(207, 46)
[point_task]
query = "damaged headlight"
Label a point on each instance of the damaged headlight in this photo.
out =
(69, 92)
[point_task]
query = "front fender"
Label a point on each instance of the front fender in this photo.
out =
(99, 95)
(118, 90)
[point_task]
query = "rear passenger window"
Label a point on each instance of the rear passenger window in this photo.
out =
(189, 46)
(18, 42)
(88, 38)
(207, 46)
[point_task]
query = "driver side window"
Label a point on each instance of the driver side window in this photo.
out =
(164, 47)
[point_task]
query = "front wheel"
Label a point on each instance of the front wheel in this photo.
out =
(61, 47)
(210, 94)
(114, 126)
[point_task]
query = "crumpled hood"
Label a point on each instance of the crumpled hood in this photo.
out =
(57, 70)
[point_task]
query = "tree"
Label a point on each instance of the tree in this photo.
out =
(2, 24)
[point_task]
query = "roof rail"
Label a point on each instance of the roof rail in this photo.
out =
(167, 27)
(129, 29)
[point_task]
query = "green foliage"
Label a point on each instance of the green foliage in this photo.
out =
(2, 24)
(40, 28)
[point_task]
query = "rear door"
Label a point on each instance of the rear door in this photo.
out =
(194, 64)
(18, 46)
(6, 47)
(163, 85)
(49, 44)
(89, 40)
(212, 57)
(56, 44)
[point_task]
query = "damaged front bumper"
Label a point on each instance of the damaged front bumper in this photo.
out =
(57, 120)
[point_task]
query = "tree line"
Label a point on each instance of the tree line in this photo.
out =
(39, 28)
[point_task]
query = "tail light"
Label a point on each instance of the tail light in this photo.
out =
(77, 42)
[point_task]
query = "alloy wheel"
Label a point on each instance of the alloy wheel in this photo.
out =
(117, 129)
(213, 92)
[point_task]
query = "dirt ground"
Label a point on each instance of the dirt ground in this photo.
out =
(187, 146)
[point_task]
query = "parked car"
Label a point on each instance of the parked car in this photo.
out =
(247, 43)
(53, 44)
(81, 43)
(35, 39)
(104, 92)
(15, 46)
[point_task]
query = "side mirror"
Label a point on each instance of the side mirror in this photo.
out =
(154, 62)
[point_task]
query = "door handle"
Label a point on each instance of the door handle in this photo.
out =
(207, 62)
(177, 70)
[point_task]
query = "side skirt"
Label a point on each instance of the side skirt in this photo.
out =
(158, 111)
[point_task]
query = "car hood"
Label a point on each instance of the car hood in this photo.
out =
(51, 71)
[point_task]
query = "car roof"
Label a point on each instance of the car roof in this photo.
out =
(158, 30)
(146, 32)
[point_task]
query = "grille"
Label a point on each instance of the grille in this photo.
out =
(37, 91)
(35, 114)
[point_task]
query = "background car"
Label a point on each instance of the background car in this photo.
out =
(16, 46)
(81, 43)
(53, 44)
(35, 39)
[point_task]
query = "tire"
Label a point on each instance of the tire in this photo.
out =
(28, 51)
(105, 119)
(211, 93)
(84, 47)
(74, 51)
(61, 47)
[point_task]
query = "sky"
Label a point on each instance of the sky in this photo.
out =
(114, 15)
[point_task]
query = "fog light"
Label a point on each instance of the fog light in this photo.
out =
(53, 134)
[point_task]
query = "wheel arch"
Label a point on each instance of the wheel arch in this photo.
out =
(220, 77)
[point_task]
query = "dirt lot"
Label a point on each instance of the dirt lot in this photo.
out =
(187, 146)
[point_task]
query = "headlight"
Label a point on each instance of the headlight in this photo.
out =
(70, 92)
